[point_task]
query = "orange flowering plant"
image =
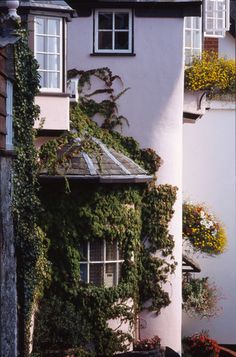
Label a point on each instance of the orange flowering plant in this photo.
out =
(200, 345)
(201, 228)
(147, 344)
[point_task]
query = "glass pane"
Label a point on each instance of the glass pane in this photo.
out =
(119, 272)
(196, 39)
(110, 275)
(111, 251)
(122, 21)
(187, 38)
(41, 60)
(96, 274)
(188, 22)
(196, 22)
(83, 249)
(40, 25)
(84, 272)
(54, 27)
(105, 40)
(210, 5)
(43, 79)
(53, 62)
(209, 24)
(121, 254)
(41, 44)
(53, 80)
(187, 56)
(220, 25)
(121, 40)
(97, 251)
(105, 21)
(53, 44)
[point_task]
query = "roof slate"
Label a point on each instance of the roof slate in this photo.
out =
(46, 4)
(109, 166)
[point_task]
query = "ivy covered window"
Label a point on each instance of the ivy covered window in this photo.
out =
(193, 38)
(100, 263)
(9, 116)
(113, 31)
(48, 52)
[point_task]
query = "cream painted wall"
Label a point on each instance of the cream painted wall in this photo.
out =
(54, 112)
(209, 163)
(227, 46)
(154, 107)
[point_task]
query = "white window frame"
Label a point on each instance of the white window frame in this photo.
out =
(9, 116)
(192, 30)
(60, 53)
(216, 31)
(130, 31)
(103, 262)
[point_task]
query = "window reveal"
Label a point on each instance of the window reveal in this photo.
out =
(101, 263)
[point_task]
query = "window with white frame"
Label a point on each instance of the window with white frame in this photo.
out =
(216, 17)
(100, 263)
(9, 116)
(193, 38)
(48, 52)
(113, 31)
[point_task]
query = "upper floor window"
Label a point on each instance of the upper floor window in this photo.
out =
(216, 17)
(48, 52)
(193, 38)
(100, 263)
(9, 116)
(113, 31)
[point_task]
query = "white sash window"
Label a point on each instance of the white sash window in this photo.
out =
(193, 38)
(48, 52)
(216, 17)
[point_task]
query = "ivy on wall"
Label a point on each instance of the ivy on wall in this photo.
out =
(32, 267)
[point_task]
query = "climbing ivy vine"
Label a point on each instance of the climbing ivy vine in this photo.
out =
(32, 267)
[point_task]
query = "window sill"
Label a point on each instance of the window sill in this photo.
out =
(52, 94)
(112, 54)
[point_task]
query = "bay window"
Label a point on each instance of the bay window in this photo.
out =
(48, 52)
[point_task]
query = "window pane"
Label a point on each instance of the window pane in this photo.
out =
(53, 62)
(54, 27)
(105, 21)
(96, 274)
(42, 79)
(83, 249)
(188, 22)
(105, 40)
(121, 40)
(121, 254)
(53, 44)
(53, 80)
(110, 275)
(41, 44)
(220, 24)
(97, 250)
(209, 24)
(41, 60)
(122, 21)
(84, 272)
(40, 25)
(187, 38)
(196, 39)
(111, 251)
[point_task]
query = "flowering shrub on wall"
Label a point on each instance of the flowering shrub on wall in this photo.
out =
(147, 344)
(200, 298)
(205, 233)
(200, 345)
(216, 75)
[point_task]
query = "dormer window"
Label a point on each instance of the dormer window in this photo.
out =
(113, 31)
(48, 52)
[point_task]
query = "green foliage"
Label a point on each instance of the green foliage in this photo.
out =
(33, 269)
(216, 75)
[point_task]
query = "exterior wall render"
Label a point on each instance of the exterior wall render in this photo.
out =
(154, 108)
(209, 163)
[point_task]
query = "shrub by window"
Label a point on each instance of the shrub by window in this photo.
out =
(113, 31)
(100, 263)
